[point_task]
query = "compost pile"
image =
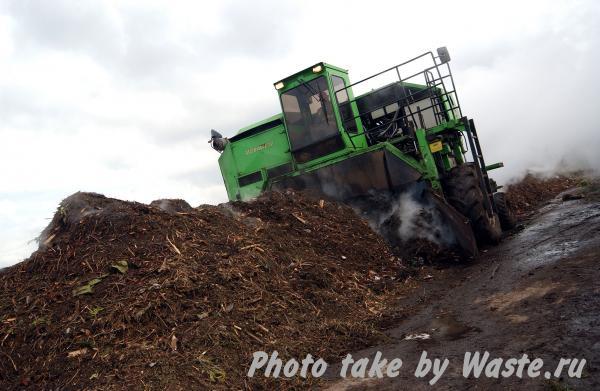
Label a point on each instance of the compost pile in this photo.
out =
(122, 294)
(532, 191)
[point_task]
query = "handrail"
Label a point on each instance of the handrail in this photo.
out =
(443, 101)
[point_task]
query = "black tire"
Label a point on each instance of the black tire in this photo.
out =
(463, 192)
(508, 220)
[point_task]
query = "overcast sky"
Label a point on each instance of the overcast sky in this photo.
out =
(118, 97)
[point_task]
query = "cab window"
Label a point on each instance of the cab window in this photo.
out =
(309, 114)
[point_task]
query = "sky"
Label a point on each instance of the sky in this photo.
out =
(118, 97)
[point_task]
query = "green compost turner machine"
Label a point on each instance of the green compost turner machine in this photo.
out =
(369, 144)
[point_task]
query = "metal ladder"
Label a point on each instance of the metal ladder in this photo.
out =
(433, 84)
(480, 164)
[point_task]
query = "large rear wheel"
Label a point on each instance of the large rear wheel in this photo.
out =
(463, 192)
(506, 214)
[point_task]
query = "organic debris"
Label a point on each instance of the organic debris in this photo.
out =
(532, 191)
(126, 295)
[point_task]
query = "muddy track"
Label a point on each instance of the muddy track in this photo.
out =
(537, 293)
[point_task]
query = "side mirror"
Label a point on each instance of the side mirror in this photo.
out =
(443, 55)
(217, 141)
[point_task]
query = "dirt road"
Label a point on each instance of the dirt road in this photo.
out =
(538, 293)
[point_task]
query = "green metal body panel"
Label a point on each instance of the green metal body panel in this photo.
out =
(259, 152)
(259, 123)
(265, 145)
(494, 166)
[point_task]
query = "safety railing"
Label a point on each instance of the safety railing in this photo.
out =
(420, 93)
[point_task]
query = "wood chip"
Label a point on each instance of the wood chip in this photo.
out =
(173, 245)
(300, 219)
(260, 341)
(253, 246)
(76, 353)
(174, 343)
(263, 328)
(47, 241)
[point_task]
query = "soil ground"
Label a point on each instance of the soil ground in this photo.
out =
(124, 295)
(537, 293)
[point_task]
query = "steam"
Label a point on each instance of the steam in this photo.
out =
(171, 205)
(399, 217)
(417, 220)
(70, 211)
(405, 218)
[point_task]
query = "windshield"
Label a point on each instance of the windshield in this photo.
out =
(308, 113)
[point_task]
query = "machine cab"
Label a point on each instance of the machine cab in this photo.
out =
(318, 114)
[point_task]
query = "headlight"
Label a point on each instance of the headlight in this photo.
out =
(279, 85)
(317, 68)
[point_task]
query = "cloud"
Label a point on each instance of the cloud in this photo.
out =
(261, 29)
(536, 103)
(67, 25)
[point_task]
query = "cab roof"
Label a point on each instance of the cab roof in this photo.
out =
(324, 64)
(278, 118)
